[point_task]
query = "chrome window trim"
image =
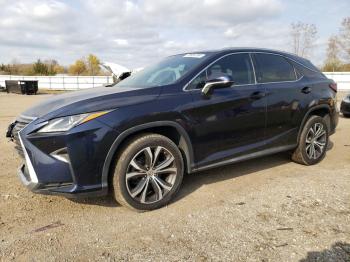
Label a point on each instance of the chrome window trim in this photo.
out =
(279, 82)
(252, 63)
(295, 72)
(250, 55)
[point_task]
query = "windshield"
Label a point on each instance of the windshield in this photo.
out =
(165, 72)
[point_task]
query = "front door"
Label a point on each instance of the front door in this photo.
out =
(231, 121)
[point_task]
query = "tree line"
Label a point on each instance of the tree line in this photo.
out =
(304, 38)
(338, 50)
(84, 66)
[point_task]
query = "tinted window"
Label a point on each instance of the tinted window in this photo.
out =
(237, 66)
(298, 72)
(199, 81)
(273, 68)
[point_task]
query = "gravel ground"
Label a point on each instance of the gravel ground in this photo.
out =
(268, 209)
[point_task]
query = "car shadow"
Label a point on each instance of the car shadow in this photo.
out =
(192, 182)
(105, 201)
(330, 145)
(342, 116)
(340, 251)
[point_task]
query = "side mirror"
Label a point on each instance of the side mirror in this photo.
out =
(220, 82)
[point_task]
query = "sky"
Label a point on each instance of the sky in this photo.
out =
(135, 33)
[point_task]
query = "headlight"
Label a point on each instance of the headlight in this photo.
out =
(63, 124)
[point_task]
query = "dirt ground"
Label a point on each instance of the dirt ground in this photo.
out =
(268, 209)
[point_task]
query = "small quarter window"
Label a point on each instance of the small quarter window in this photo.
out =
(302, 70)
(199, 81)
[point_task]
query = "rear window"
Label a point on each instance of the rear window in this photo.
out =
(273, 68)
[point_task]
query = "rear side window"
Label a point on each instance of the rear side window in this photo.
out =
(273, 68)
(237, 66)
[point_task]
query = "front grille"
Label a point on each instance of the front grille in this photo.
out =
(20, 123)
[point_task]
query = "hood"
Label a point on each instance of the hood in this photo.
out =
(90, 100)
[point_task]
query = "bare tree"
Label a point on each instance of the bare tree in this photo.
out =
(344, 38)
(304, 37)
(332, 62)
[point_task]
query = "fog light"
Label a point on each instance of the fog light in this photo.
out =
(61, 154)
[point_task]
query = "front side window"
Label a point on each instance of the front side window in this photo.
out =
(237, 66)
(273, 68)
(199, 81)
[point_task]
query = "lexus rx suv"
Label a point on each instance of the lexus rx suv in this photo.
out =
(187, 113)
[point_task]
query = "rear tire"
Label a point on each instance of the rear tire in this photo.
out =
(313, 142)
(148, 172)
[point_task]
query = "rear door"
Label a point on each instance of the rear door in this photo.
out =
(284, 97)
(231, 121)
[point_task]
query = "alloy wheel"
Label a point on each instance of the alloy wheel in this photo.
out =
(316, 139)
(151, 174)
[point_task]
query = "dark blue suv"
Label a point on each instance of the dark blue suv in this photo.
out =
(187, 113)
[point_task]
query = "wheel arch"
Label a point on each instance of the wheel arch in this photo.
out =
(173, 130)
(319, 110)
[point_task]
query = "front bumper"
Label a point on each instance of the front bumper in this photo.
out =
(68, 190)
(87, 146)
(25, 179)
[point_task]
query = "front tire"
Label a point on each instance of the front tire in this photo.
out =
(313, 142)
(148, 173)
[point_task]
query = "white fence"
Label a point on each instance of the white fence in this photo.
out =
(62, 82)
(81, 82)
(341, 78)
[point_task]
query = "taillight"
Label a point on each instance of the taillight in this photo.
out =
(333, 86)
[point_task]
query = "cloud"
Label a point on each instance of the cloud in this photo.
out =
(121, 42)
(214, 13)
(136, 32)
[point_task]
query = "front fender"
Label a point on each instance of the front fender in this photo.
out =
(135, 129)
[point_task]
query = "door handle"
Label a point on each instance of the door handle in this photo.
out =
(306, 90)
(257, 95)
